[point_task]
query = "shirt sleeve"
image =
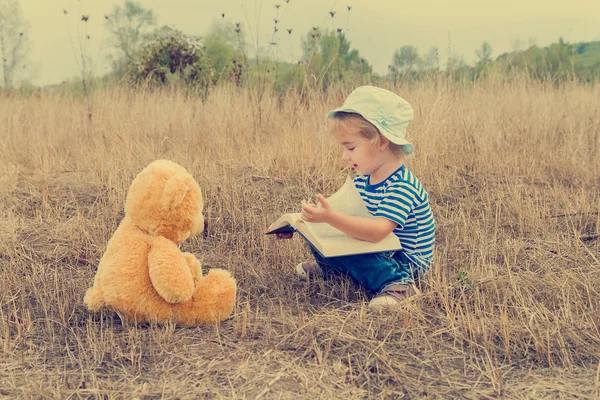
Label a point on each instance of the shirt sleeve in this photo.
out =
(397, 204)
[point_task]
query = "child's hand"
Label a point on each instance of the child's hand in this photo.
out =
(316, 213)
(287, 235)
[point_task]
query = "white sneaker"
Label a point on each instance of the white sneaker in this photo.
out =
(307, 268)
(393, 295)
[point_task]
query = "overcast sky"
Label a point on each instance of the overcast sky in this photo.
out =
(375, 27)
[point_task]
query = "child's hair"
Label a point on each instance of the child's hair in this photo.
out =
(356, 123)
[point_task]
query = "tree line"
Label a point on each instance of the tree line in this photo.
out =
(163, 55)
(143, 52)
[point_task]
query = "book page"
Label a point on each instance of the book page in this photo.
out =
(324, 230)
(346, 200)
(284, 224)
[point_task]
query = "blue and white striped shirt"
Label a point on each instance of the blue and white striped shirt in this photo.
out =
(402, 199)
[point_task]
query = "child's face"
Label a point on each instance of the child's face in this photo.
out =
(363, 155)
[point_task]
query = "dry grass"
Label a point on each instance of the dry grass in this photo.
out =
(513, 172)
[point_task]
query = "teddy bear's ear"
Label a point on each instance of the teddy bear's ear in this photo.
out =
(174, 192)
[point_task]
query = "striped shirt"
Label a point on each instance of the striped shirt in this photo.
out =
(402, 199)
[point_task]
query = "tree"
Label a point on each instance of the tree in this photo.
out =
(560, 59)
(455, 61)
(406, 58)
(484, 53)
(14, 40)
(130, 26)
(224, 48)
(431, 61)
(329, 57)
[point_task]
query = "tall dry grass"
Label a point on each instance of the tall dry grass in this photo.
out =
(511, 307)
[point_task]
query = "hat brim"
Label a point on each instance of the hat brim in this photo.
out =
(331, 114)
(407, 147)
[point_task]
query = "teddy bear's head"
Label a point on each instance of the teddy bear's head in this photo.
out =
(165, 200)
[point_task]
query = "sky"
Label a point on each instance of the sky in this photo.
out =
(375, 27)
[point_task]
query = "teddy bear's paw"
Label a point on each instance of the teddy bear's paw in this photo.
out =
(219, 280)
(214, 298)
(94, 299)
(174, 298)
(195, 266)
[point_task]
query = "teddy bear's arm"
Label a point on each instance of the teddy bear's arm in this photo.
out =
(169, 271)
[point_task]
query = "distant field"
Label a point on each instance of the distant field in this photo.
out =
(511, 308)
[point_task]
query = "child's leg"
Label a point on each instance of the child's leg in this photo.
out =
(373, 271)
(418, 270)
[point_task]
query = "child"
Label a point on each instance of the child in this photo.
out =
(371, 128)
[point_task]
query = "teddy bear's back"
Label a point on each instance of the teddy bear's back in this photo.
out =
(163, 208)
(124, 276)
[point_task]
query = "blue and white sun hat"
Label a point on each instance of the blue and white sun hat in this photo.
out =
(389, 112)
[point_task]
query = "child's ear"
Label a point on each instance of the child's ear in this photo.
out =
(383, 143)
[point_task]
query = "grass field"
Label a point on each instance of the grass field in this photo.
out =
(510, 309)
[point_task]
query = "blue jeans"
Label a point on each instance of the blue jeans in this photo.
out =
(373, 271)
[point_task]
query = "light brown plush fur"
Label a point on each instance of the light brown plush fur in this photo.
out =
(143, 275)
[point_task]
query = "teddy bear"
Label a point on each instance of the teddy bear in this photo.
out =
(143, 275)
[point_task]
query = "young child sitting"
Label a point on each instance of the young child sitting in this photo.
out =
(371, 128)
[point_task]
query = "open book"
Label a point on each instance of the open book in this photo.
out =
(326, 239)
